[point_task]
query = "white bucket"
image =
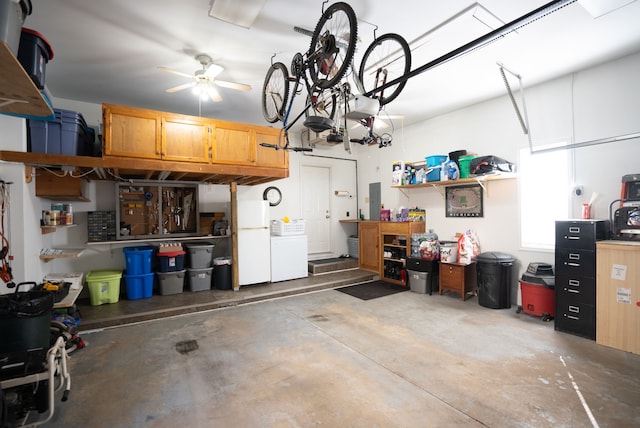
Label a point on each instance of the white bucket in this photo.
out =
(448, 252)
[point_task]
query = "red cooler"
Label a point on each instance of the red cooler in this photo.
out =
(537, 287)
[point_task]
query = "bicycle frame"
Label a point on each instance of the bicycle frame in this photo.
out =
(302, 67)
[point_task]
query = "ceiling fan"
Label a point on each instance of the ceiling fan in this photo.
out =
(204, 81)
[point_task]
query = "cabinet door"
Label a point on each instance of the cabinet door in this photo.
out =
(233, 144)
(131, 132)
(451, 276)
(186, 138)
(368, 251)
(268, 156)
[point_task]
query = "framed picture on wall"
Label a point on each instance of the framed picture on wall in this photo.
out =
(464, 201)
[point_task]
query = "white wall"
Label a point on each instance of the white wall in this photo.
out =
(600, 102)
(23, 212)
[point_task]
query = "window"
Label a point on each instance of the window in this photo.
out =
(544, 196)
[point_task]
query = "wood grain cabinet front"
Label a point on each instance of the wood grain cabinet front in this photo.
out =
(618, 295)
(233, 144)
(186, 138)
(131, 132)
(458, 277)
(139, 133)
(368, 243)
(268, 156)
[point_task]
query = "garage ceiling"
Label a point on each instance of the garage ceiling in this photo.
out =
(111, 51)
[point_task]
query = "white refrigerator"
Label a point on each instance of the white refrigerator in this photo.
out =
(254, 249)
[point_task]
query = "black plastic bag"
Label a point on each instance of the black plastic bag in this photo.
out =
(490, 164)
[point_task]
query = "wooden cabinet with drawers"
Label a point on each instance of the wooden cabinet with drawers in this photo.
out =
(458, 278)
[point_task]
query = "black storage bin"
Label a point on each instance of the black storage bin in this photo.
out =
(495, 272)
(25, 320)
(34, 53)
(431, 267)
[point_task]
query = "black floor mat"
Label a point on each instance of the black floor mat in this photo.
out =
(372, 290)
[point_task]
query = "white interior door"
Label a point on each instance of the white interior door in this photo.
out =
(316, 209)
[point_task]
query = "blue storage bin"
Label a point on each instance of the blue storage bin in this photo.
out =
(65, 134)
(138, 260)
(139, 286)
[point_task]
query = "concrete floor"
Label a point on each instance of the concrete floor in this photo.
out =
(329, 359)
(131, 311)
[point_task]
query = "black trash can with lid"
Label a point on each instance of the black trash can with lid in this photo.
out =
(495, 272)
(222, 273)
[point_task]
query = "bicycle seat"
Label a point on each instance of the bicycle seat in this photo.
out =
(318, 123)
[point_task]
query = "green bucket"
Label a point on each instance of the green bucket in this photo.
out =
(465, 163)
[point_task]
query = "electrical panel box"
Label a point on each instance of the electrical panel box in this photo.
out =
(148, 209)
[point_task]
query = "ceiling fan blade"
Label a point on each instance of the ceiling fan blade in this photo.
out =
(213, 94)
(179, 73)
(181, 87)
(213, 70)
(233, 85)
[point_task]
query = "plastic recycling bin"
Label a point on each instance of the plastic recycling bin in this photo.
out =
(423, 275)
(495, 272)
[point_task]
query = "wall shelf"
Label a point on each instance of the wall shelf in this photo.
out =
(18, 94)
(50, 229)
(159, 239)
(480, 179)
(49, 254)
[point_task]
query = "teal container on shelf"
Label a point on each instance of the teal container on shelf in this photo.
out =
(434, 165)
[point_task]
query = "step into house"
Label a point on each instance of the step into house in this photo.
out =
(332, 265)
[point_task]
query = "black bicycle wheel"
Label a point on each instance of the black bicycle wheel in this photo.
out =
(385, 60)
(324, 104)
(332, 45)
(275, 92)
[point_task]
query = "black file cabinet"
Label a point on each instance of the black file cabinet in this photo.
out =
(575, 282)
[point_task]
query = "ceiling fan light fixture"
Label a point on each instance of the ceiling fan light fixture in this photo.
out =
(242, 14)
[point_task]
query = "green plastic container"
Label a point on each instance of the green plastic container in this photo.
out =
(464, 162)
(104, 286)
